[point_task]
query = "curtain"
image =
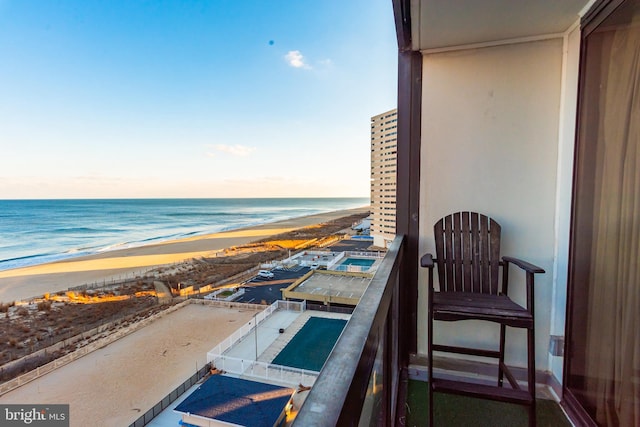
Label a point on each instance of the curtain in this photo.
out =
(613, 337)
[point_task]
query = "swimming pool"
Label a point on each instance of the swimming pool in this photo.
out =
(360, 262)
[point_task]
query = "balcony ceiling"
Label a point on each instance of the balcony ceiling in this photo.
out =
(449, 23)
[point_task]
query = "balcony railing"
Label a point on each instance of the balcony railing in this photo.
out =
(359, 382)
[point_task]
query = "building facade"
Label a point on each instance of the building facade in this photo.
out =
(383, 177)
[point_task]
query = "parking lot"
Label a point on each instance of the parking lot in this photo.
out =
(261, 289)
(267, 289)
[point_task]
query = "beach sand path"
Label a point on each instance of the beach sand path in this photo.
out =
(114, 385)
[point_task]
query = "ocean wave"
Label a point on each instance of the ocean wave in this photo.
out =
(166, 237)
(114, 247)
(86, 230)
(81, 250)
(61, 229)
(202, 214)
(26, 257)
(147, 241)
(30, 260)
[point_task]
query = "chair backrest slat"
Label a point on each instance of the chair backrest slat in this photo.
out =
(457, 253)
(484, 256)
(468, 253)
(494, 256)
(448, 237)
(475, 250)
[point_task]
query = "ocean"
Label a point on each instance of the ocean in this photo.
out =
(39, 231)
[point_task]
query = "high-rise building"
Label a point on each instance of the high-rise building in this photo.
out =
(383, 177)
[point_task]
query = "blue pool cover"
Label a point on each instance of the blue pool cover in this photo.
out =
(237, 401)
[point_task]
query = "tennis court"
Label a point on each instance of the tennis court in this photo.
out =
(311, 346)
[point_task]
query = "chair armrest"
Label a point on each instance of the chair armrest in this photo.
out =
(529, 268)
(426, 261)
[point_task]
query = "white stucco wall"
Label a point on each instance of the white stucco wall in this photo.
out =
(566, 135)
(490, 132)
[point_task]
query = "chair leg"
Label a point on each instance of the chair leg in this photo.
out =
(430, 361)
(531, 380)
(503, 329)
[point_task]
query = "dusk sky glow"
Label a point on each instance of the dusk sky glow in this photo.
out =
(102, 99)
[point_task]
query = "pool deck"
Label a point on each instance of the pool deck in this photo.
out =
(283, 339)
(270, 343)
(268, 332)
(330, 288)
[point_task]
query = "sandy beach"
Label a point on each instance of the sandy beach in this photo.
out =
(23, 283)
(114, 385)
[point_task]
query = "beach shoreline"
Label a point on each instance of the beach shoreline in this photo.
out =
(31, 281)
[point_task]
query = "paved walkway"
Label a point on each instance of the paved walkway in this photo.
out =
(268, 332)
(168, 418)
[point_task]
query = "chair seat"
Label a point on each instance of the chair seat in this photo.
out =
(451, 306)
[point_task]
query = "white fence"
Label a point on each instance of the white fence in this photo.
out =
(367, 254)
(262, 370)
(44, 369)
(352, 268)
(82, 351)
(355, 268)
(335, 261)
(248, 327)
(299, 306)
(214, 296)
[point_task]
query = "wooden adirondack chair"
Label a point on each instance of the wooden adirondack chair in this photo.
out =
(468, 260)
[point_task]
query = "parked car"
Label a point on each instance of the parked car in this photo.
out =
(266, 274)
(314, 266)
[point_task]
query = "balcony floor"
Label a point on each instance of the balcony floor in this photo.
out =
(452, 410)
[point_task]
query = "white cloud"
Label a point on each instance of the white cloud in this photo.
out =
(234, 150)
(295, 59)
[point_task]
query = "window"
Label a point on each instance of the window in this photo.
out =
(602, 367)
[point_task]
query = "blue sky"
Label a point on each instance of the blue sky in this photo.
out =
(192, 98)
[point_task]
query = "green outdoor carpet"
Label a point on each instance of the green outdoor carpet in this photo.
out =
(453, 411)
(311, 346)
